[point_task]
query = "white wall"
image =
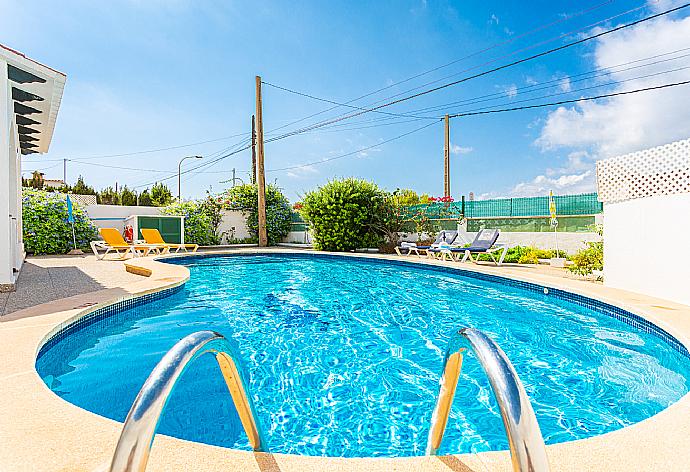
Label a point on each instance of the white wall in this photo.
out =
(234, 226)
(646, 246)
(7, 155)
(113, 216)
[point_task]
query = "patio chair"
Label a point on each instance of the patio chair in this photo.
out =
(114, 242)
(444, 236)
(484, 243)
(153, 236)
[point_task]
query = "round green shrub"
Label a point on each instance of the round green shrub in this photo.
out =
(342, 214)
(202, 218)
(245, 198)
(45, 226)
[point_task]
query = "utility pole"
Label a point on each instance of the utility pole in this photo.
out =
(253, 151)
(260, 174)
(64, 171)
(446, 158)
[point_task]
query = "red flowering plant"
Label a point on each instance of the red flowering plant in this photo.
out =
(447, 199)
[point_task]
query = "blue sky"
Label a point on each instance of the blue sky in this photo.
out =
(146, 75)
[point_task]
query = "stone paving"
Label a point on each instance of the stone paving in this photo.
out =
(47, 278)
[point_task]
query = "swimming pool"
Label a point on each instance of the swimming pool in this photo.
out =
(344, 356)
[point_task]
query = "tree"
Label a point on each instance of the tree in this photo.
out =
(127, 197)
(108, 196)
(80, 188)
(145, 198)
(161, 195)
(388, 215)
(278, 212)
(36, 180)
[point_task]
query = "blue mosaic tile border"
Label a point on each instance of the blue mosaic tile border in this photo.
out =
(105, 312)
(604, 308)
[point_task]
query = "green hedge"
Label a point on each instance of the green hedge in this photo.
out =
(45, 226)
(341, 214)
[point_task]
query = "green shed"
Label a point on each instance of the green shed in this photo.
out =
(171, 227)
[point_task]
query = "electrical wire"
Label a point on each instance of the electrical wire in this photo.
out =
(618, 82)
(480, 74)
(592, 74)
(302, 94)
(204, 165)
(577, 100)
(355, 152)
(476, 53)
(658, 87)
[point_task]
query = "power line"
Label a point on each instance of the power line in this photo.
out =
(591, 74)
(481, 74)
(618, 82)
(476, 53)
(563, 102)
(513, 53)
(658, 87)
(206, 164)
(355, 152)
(302, 94)
(148, 151)
(465, 79)
(573, 78)
(484, 63)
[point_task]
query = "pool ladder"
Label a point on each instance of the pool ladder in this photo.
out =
(134, 445)
(527, 450)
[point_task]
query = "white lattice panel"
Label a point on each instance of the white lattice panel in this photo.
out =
(663, 170)
(83, 199)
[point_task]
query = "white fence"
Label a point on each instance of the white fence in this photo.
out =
(646, 199)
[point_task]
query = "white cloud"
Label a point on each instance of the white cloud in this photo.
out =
(493, 20)
(511, 90)
(632, 122)
(663, 5)
(594, 130)
(567, 183)
(508, 31)
(302, 172)
(564, 84)
(456, 149)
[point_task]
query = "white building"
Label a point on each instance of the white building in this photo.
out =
(30, 95)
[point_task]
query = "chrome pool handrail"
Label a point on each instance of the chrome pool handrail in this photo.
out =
(527, 449)
(133, 447)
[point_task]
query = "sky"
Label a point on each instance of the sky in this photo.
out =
(178, 77)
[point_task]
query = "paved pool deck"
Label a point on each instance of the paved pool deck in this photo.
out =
(45, 279)
(41, 432)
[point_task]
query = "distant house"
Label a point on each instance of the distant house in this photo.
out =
(30, 96)
(52, 183)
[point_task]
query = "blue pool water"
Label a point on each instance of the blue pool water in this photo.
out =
(344, 357)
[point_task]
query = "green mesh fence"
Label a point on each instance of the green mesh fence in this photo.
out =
(566, 205)
(533, 209)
